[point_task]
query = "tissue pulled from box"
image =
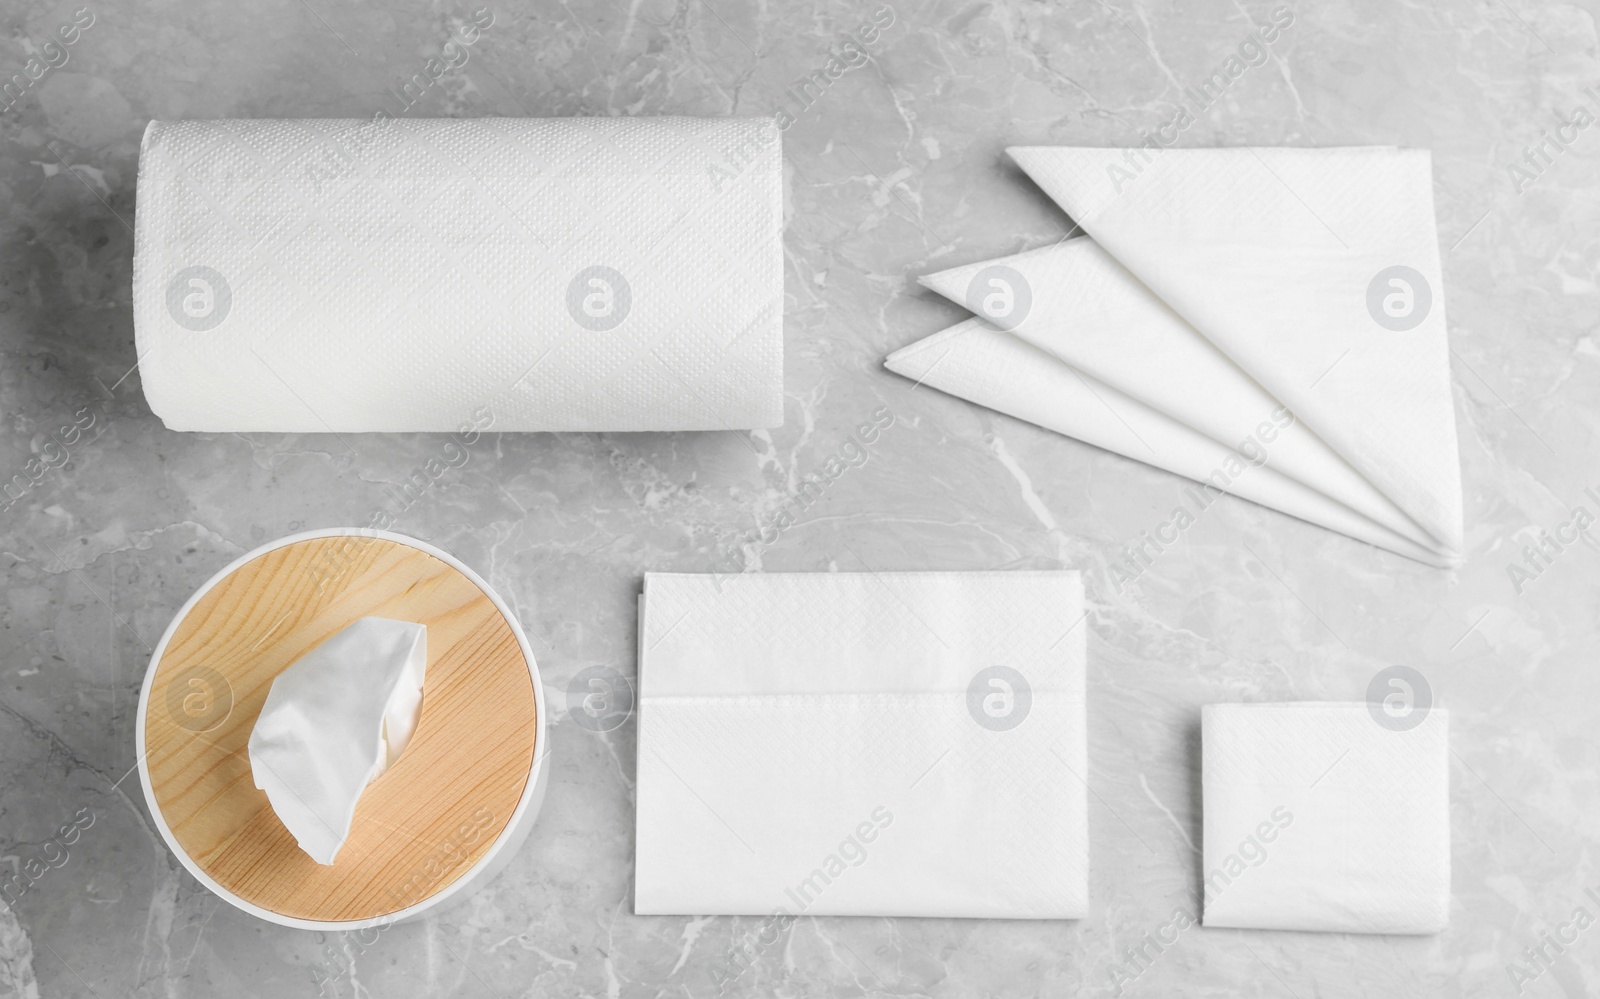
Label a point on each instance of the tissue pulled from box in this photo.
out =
(333, 722)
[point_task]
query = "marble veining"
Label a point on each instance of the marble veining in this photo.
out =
(893, 169)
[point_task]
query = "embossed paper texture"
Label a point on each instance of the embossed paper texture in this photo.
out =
(317, 275)
(878, 744)
(1267, 322)
(1326, 816)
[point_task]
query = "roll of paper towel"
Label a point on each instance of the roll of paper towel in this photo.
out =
(319, 275)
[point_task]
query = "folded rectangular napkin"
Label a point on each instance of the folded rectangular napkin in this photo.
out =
(1326, 817)
(869, 744)
(315, 275)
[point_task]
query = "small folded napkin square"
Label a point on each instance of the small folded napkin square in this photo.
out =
(333, 722)
(871, 744)
(1326, 816)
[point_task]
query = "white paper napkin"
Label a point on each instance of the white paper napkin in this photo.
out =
(1002, 372)
(1321, 817)
(1315, 270)
(876, 743)
(1085, 309)
(344, 275)
(333, 722)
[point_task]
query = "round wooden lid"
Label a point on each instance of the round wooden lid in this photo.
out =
(430, 819)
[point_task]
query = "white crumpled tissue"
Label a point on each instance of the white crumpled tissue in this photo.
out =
(333, 722)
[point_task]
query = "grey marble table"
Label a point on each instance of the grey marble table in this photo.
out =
(896, 170)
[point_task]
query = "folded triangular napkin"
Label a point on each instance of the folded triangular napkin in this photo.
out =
(333, 722)
(862, 744)
(1326, 816)
(1089, 312)
(1005, 373)
(1315, 270)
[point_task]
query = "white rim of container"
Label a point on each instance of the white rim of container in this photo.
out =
(510, 836)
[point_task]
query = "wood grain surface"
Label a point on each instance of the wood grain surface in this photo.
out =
(421, 825)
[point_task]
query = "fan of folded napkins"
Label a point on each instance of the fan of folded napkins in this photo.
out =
(1266, 322)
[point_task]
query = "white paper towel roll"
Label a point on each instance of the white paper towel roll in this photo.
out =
(318, 275)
